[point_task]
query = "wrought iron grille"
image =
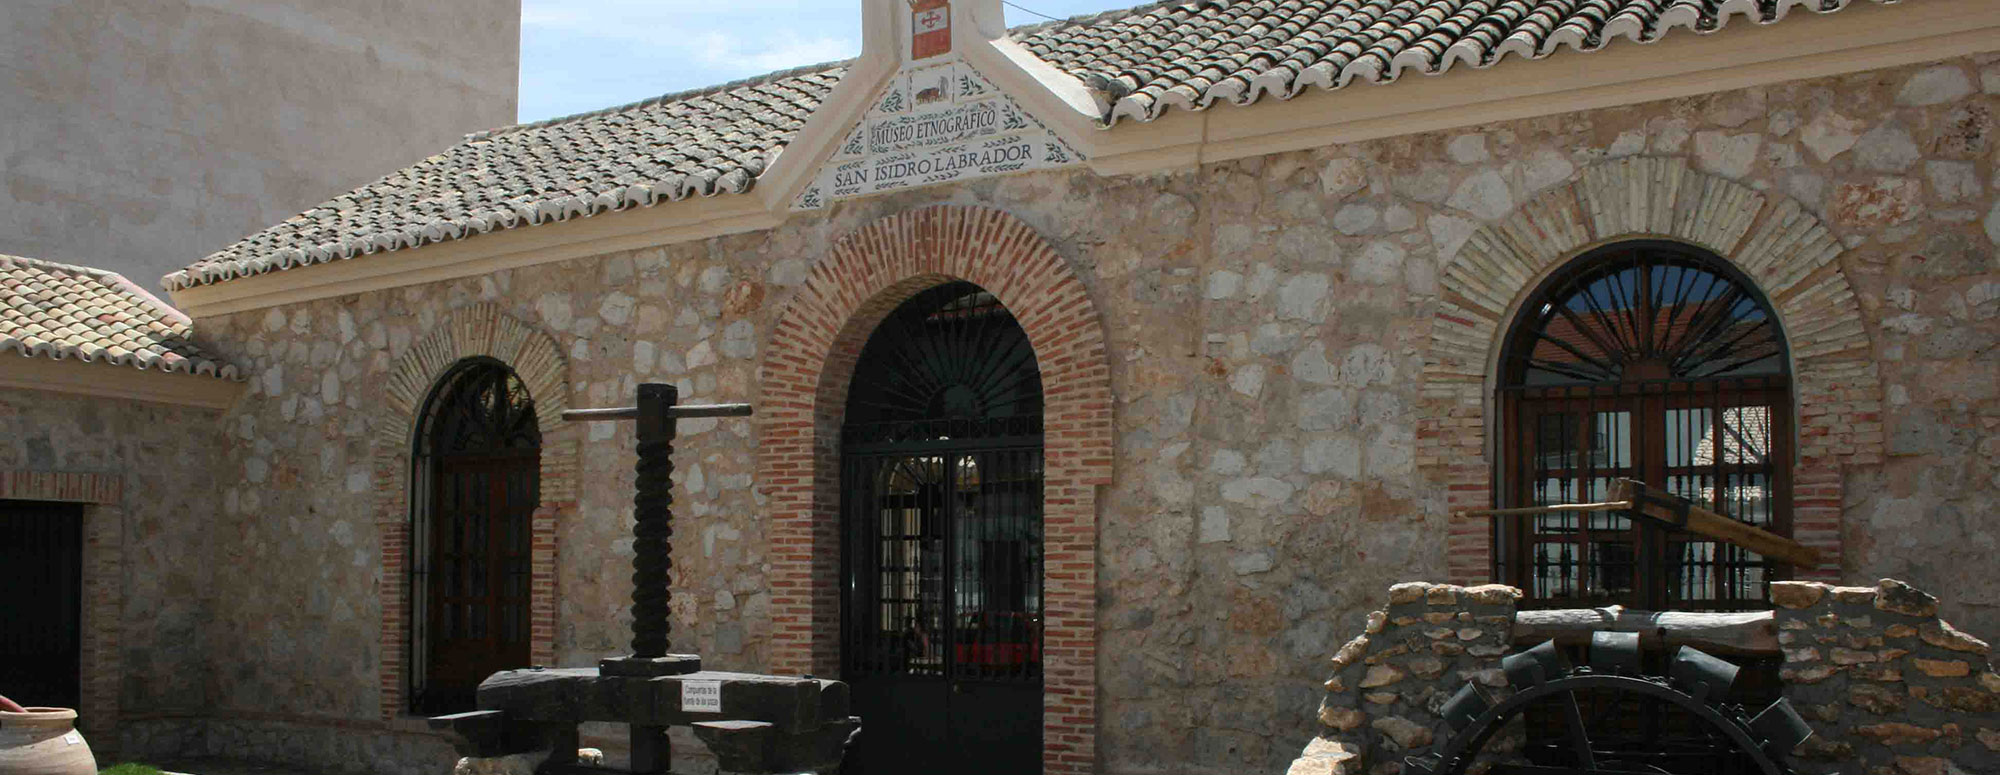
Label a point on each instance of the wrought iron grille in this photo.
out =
(1655, 362)
(477, 485)
(944, 553)
(951, 353)
(942, 475)
(480, 407)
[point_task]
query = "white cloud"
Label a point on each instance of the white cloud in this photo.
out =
(784, 49)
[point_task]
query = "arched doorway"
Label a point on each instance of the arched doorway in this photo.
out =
(478, 463)
(941, 471)
(1654, 361)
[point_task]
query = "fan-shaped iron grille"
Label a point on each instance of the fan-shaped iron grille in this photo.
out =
(1647, 312)
(1653, 361)
(480, 408)
(949, 363)
(941, 487)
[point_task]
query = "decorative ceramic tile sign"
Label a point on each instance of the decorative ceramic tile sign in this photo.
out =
(930, 28)
(935, 124)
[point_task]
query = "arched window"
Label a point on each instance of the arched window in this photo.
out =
(477, 483)
(1653, 361)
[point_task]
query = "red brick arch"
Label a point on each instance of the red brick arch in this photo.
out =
(807, 366)
(1777, 242)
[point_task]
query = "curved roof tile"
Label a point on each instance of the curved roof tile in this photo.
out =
(60, 311)
(702, 143)
(1194, 54)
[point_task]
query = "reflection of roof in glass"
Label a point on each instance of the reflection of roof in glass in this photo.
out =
(1647, 313)
(1746, 437)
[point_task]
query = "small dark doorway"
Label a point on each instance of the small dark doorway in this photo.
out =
(41, 618)
(942, 553)
(479, 463)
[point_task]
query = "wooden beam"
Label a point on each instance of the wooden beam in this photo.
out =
(1753, 632)
(1549, 509)
(1681, 513)
(1674, 510)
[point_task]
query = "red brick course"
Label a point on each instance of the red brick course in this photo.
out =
(804, 377)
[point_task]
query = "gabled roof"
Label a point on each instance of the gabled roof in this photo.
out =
(1143, 61)
(62, 312)
(700, 143)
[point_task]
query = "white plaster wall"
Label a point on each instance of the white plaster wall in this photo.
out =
(141, 135)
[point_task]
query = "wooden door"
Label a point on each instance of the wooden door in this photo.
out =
(480, 552)
(41, 602)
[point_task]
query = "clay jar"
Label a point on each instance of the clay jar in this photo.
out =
(43, 741)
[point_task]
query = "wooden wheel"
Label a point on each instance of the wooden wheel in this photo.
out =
(1607, 717)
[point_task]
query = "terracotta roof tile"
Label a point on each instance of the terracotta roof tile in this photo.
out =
(702, 143)
(1144, 60)
(1194, 54)
(61, 311)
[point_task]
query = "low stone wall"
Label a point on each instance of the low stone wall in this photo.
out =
(1381, 703)
(1888, 687)
(1885, 683)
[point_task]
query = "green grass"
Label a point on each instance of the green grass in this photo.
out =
(132, 768)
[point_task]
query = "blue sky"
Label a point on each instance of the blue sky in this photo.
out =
(579, 55)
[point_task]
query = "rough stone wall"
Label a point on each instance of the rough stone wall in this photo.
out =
(1387, 683)
(1887, 685)
(159, 456)
(141, 135)
(1267, 321)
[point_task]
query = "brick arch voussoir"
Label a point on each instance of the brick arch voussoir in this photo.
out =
(1779, 243)
(471, 331)
(803, 380)
(867, 273)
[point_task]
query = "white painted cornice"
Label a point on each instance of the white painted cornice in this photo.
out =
(1059, 99)
(1863, 36)
(632, 229)
(104, 380)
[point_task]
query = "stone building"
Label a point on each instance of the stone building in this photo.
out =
(1300, 282)
(136, 135)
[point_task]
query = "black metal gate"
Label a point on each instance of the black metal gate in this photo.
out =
(942, 541)
(41, 602)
